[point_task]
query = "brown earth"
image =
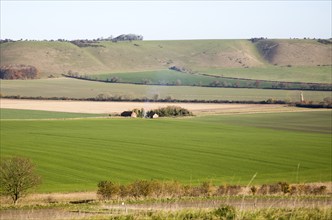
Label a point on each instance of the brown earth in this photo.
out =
(118, 107)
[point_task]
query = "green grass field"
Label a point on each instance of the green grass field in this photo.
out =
(163, 77)
(316, 74)
(34, 114)
(74, 155)
(248, 77)
(73, 88)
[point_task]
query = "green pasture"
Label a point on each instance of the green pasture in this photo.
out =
(309, 74)
(248, 75)
(162, 77)
(170, 77)
(74, 155)
(74, 88)
(35, 114)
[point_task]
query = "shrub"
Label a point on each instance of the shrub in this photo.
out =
(253, 190)
(284, 187)
(274, 188)
(293, 190)
(141, 188)
(263, 190)
(124, 191)
(108, 189)
(139, 112)
(318, 190)
(206, 188)
(173, 189)
(304, 189)
(221, 190)
(225, 212)
(233, 189)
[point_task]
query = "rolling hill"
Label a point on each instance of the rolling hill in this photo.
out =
(56, 58)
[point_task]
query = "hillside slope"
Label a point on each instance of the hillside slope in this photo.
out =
(295, 52)
(60, 57)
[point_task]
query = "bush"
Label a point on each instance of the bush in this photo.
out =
(285, 188)
(318, 190)
(206, 188)
(263, 190)
(173, 189)
(233, 189)
(225, 212)
(141, 188)
(253, 190)
(139, 112)
(108, 189)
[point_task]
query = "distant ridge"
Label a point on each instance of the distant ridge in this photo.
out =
(59, 57)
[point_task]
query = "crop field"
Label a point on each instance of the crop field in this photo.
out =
(73, 88)
(74, 155)
(106, 108)
(35, 114)
(316, 74)
(163, 77)
(169, 77)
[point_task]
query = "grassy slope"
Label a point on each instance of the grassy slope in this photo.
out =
(75, 155)
(83, 89)
(34, 114)
(59, 57)
(301, 53)
(50, 57)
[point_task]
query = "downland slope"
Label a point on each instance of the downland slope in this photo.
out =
(56, 58)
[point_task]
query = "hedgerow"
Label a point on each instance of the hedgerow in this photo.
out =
(172, 189)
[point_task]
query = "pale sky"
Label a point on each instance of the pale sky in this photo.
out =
(165, 20)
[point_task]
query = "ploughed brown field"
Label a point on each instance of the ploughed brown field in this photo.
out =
(118, 107)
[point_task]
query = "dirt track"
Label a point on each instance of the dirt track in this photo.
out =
(102, 211)
(118, 107)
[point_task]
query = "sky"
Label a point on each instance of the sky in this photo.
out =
(165, 20)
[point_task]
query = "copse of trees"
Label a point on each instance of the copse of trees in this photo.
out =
(127, 37)
(18, 71)
(169, 111)
(122, 37)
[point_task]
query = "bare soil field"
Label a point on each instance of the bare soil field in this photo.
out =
(118, 107)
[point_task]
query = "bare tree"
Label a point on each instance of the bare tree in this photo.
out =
(17, 176)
